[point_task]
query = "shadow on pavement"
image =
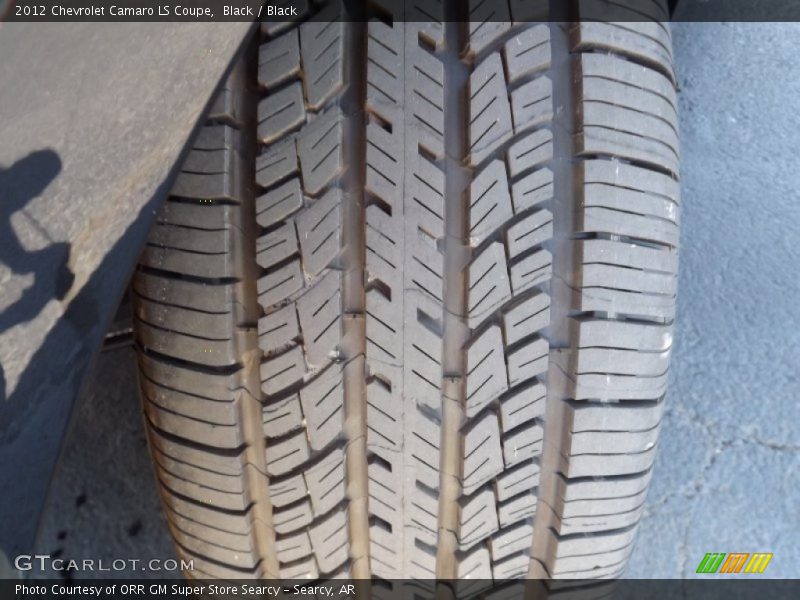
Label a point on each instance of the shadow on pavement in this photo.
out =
(19, 184)
(35, 415)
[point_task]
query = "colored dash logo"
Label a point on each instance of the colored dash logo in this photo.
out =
(735, 562)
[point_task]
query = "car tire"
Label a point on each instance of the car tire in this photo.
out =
(407, 312)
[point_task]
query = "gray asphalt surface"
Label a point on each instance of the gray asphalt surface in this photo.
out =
(92, 118)
(728, 473)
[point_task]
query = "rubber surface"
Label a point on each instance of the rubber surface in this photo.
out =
(408, 312)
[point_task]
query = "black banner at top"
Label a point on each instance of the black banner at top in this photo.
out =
(475, 11)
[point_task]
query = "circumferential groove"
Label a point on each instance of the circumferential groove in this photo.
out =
(457, 178)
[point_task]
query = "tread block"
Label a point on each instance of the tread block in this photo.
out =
(530, 232)
(276, 163)
(474, 566)
(617, 417)
(478, 518)
(206, 516)
(384, 248)
(325, 482)
(621, 362)
(211, 353)
(384, 558)
(609, 80)
(609, 465)
(651, 261)
(532, 270)
(612, 442)
(384, 340)
(427, 271)
(634, 336)
(425, 507)
(293, 547)
(490, 202)
(286, 454)
(647, 41)
(323, 407)
(383, 420)
(191, 240)
(522, 444)
(278, 329)
(527, 53)
(200, 492)
(187, 262)
(223, 464)
(490, 113)
(487, 23)
(527, 318)
(633, 303)
(206, 186)
(385, 69)
(426, 188)
(482, 455)
(287, 491)
(276, 246)
(277, 286)
(486, 371)
(193, 295)
(516, 509)
(319, 227)
(212, 386)
(511, 541)
(215, 137)
(321, 46)
(234, 541)
(424, 451)
(282, 371)
(215, 326)
(619, 222)
(226, 482)
(521, 478)
(329, 540)
(383, 164)
(604, 506)
(532, 104)
(528, 361)
(319, 145)
(190, 428)
(279, 203)
(649, 189)
(279, 59)
(488, 283)
(292, 518)
(531, 151)
(214, 552)
(523, 405)
(423, 362)
(533, 189)
(282, 416)
(596, 544)
(280, 112)
(210, 217)
(426, 103)
(320, 312)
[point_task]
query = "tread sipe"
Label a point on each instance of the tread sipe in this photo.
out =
(407, 312)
